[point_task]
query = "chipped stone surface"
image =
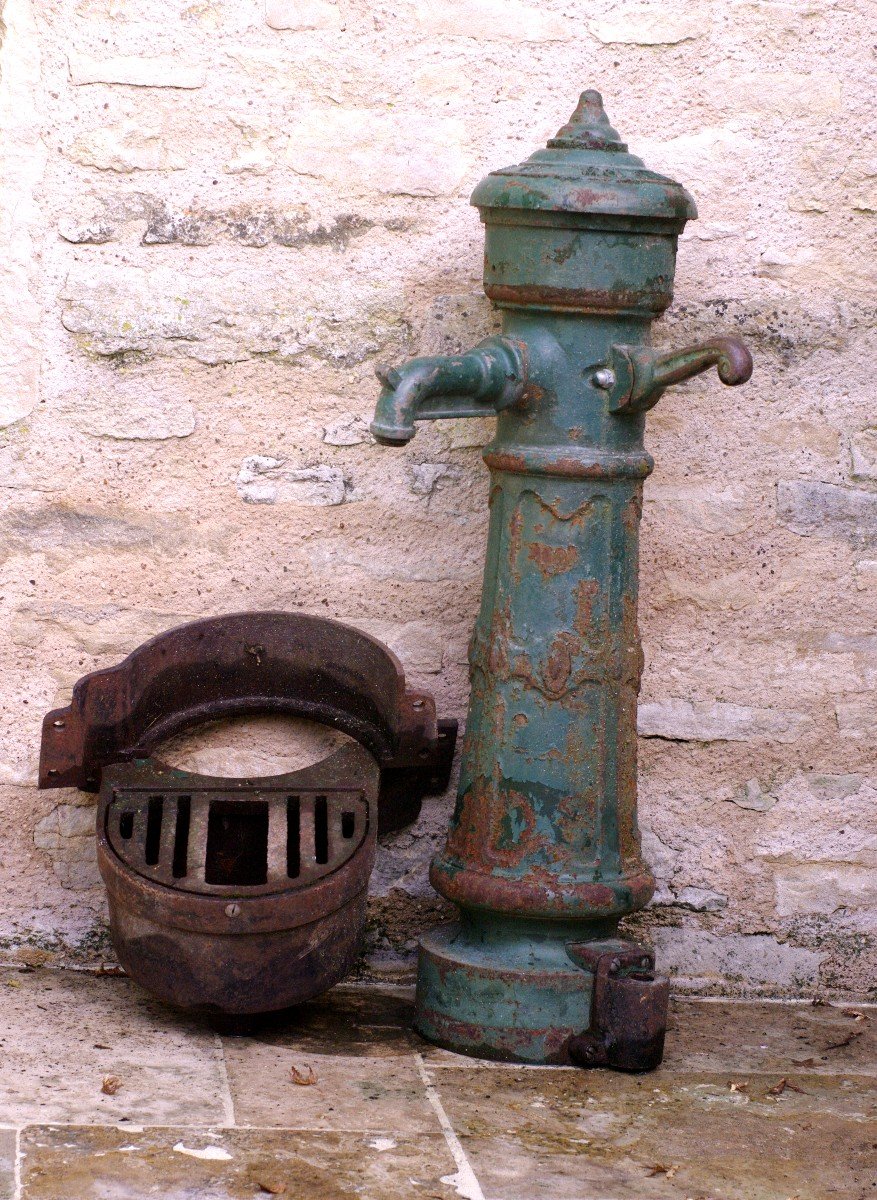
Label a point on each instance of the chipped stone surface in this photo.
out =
(752, 797)
(700, 899)
(265, 480)
(349, 431)
(427, 478)
(863, 455)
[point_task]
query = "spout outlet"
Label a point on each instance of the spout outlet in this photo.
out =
(485, 380)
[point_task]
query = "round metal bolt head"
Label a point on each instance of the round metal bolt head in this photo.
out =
(232, 910)
(604, 378)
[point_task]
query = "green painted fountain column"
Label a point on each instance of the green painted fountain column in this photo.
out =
(543, 852)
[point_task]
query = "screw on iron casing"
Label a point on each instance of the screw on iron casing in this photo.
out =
(388, 376)
(604, 378)
(232, 910)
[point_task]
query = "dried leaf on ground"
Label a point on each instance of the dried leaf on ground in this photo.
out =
(303, 1078)
(742, 1086)
(784, 1086)
(662, 1169)
(274, 1187)
(110, 1085)
(855, 1014)
(845, 1041)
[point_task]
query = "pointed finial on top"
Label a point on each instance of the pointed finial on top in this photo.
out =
(588, 128)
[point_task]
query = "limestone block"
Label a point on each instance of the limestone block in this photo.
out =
(413, 560)
(160, 72)
(780, 265)
(650, 25)
(106, 630)
(419, 647)
(223, 317)
(125, 146)
(711, 157)
(769, 91)
(722, 511)
(62, 526)
(265, 480)
(699, 960)
(302, 14)
(863, 455)
(824, 888)
(129, 406)
(494, 20)
(820, 836)
(732, 592)
(370, 150)
(67, 835)
(23, 155)
(687, 721)
(824, 510)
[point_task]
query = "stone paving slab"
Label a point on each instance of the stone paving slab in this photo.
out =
(379, 1094)
(63, 1032)
(579, 1135)
(90, 1162)
(203, 1117)
(8, 1139)
(770, 1037)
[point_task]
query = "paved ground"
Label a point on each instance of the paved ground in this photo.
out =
(199, 1117)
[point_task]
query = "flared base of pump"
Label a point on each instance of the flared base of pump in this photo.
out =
(541, 992)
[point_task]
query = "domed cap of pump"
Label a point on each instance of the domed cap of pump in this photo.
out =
(585, 169)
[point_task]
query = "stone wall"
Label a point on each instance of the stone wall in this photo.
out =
(218, 215)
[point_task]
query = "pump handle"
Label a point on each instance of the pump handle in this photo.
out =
(636, 376)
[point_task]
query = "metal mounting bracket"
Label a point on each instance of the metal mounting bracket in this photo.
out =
(628, 1007)
(248, 663)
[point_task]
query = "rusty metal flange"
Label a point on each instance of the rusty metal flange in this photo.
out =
(248, 663)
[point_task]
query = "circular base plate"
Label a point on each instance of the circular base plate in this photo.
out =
(509, 994)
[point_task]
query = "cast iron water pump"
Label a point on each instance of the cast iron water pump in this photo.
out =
(543, 854)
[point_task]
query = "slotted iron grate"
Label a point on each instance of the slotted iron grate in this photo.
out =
(254, 839)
